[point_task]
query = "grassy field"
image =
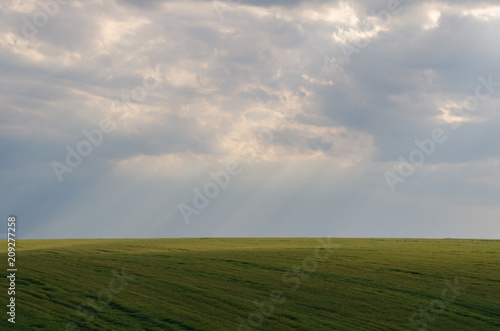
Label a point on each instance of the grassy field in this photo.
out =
(259, 284)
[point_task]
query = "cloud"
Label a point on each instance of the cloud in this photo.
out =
(223, 81)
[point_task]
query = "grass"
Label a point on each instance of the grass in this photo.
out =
(207, 284)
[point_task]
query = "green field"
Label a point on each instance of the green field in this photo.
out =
(269, 284)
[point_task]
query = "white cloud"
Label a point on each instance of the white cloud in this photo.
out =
(483, 14)
(433, 19)
(115, 31)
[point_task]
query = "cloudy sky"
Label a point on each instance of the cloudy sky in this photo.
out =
(250, 118)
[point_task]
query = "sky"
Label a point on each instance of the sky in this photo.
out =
(147, 119)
